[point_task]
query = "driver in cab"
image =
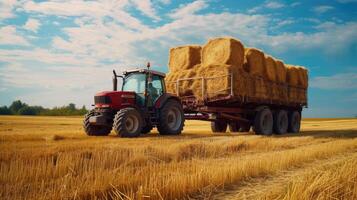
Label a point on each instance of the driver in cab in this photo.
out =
(153, 93)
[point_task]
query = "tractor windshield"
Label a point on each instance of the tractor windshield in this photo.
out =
(135, 82)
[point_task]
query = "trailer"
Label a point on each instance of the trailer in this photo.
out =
(225, 108)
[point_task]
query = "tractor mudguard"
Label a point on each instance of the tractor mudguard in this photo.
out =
(160, 102)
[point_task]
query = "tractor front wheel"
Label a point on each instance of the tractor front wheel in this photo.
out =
(128, 123)
(94, 130)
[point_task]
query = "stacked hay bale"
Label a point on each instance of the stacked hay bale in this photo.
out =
(271, 75)
(220, 58)
(297, 77)
(255, 75)
(182, 62)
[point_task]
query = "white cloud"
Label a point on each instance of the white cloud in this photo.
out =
(147, 8)
(295, 4)
(6, 9)
(32, 25)
(274, 5)
(337, 81)
(285, 22)
(322, 9)
(166, 2)
(88, 9)
(189, 9)
(9, 36)
(267, 5)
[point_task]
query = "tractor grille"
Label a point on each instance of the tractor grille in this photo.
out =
(102, 100)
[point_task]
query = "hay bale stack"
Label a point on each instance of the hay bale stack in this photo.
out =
(223, 51)
(255, 75)
(217, 80)
(254, 61)
(292, 75)
(270, 68)
(280, 71)
(185, 86)
(303, 77)
(184, 57)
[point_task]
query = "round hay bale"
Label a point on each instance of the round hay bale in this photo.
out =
(270, 68)
(280, 71)
(223, 51)
(255, 61)
(184, 57)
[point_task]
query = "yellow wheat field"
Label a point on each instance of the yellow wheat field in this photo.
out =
(51, 158)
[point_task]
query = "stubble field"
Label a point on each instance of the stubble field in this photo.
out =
(52, 158)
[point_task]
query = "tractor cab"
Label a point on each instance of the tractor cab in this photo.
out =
(141, 105)
(148, 85)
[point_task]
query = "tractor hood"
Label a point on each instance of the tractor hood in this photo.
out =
(114, 93)
(114, 99)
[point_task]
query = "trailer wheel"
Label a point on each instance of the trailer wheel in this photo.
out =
(171, 119)
(294, 122)
(219, 126)
(234, 126)
(94, 130)
(128, 123)
(263, 122)
(281, 122)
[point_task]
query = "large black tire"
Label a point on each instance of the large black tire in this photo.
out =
(128, 123)
(263, 122)
(146, 129)
(94, 130)
(294, 122)
(219, 126)
(234, 126)
(281, 122)
(171, 118)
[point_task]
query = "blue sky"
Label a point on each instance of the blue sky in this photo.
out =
(56, 52)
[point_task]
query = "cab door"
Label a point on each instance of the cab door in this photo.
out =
(155, 89)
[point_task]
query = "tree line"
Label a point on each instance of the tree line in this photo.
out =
(19, 108)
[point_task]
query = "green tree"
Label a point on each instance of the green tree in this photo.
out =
(16, 106)
(27, 110)
(4, 110)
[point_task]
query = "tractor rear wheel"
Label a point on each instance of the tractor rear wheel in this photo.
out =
(280, 122)
(128, 123)
(219, 126)
(263, 122)
(294, 122)
(234, 126)
(94, 130)
(171, 119)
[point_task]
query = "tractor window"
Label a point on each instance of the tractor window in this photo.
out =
(135, 83)
(157, 84)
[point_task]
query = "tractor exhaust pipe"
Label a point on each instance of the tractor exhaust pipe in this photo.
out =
(115, 81)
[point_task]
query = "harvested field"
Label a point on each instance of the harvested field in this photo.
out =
(51, 158)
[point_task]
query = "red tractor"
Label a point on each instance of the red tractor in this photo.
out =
(141, 105)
